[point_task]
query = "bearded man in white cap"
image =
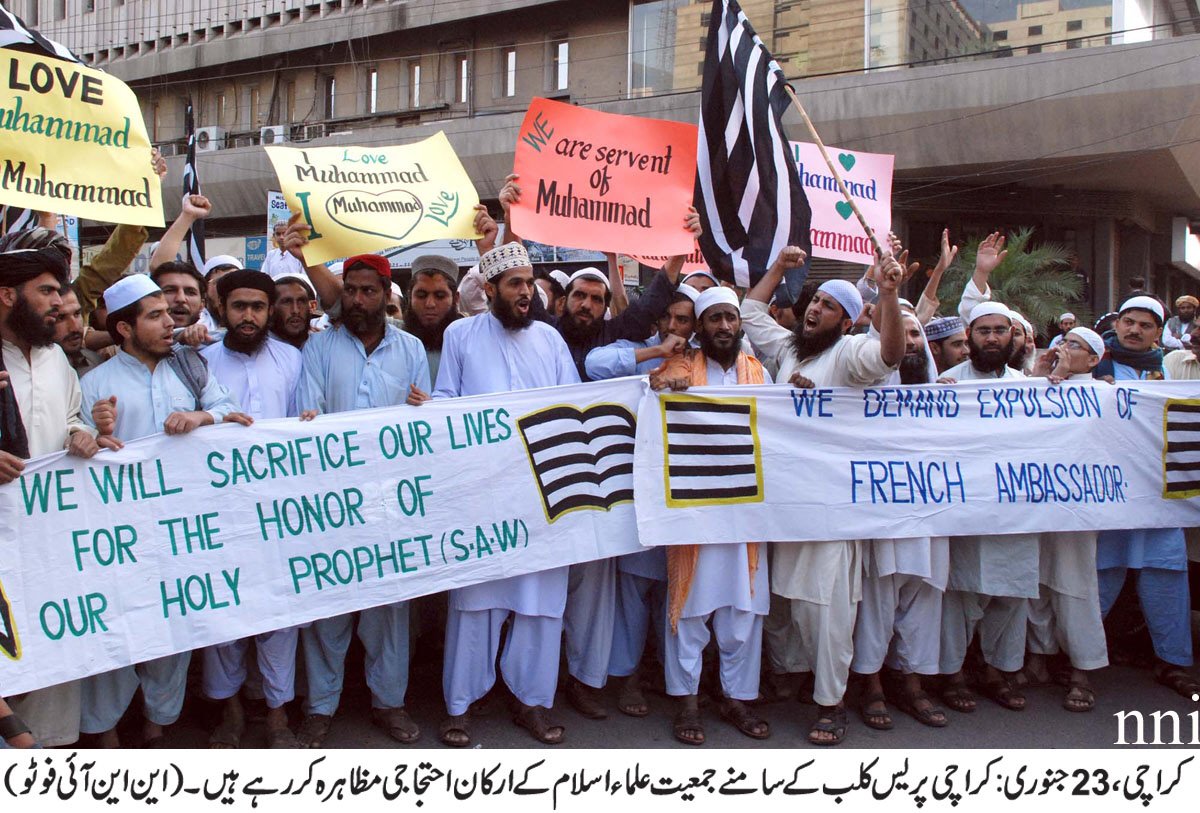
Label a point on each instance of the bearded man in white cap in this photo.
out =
(1066, 613)
(1157, 555)
(1066, 323)
(992, 577)
(816, 586)
(727, 583)
(504, 350)
(150, 386)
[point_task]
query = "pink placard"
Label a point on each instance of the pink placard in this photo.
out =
(836, 232)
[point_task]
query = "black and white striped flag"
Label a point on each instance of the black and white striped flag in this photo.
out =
(194, 241)
(712, 450)
(580, 458)
(748, 193)
(1181, 457)
(15, 34)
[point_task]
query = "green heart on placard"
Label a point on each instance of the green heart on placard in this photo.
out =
(844, 209)
(847, 161)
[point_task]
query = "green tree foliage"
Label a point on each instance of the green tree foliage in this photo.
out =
(1035, 281)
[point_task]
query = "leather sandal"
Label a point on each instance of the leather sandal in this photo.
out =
(688, 720)
(456, 724)
(313, 730)
(396, 722)
(736, 712)
(880, 721)
(1080, 697)
(830, 720)
(533, 719)
(583, 699)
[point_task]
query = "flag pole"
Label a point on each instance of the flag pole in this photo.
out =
(879, 252)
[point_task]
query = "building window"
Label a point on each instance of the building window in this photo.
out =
(89, 6)
(414, 83)
(508, 70)
(1033, 49)
(1035, 30)
(1074, 25)
(462, 78)
(1108, 22)
(31, 12)
(372, 90)
(60, 9)
(329, 96)
(221, 109)
(999, 36)
(1074, 43)
(652, 30)
(252, 100)
(560, 51)
(290, 102)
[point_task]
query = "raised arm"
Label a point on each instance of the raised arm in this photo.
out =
(195, 207)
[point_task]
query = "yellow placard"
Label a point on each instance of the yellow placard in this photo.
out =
(72, 141)
(363, 199)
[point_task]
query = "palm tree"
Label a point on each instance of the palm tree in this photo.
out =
(1037, 281)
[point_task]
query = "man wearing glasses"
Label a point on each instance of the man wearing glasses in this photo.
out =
(992, 577)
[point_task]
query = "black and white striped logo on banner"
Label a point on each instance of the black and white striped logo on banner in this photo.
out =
(1181, 453)
(712, 450)
(581, 458)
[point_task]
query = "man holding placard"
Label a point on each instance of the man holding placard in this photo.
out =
(149, 387)
(361, 363)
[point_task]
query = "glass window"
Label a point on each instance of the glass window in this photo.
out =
(1074, 25)
(1035, 30)
(652, 28)
(560, 52)
(508, 68)
(999, 36)
(414, 83)
(372, 90)
(463, 78)
(330, 96)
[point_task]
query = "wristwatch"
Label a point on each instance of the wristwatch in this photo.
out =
(13, 726)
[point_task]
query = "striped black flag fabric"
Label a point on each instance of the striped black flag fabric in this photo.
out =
(15, 34)
(748, 193)
(713, 455)
(194, 241)
(1181, 455)
(581, 459)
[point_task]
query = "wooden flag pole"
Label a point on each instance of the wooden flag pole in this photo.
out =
(879, 252)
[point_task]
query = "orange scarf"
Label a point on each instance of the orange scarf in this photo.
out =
(682, 559)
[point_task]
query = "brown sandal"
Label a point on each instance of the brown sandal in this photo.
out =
(533, 719)
(688, 720)
(735, 711)
(396, 722)
(459, 724)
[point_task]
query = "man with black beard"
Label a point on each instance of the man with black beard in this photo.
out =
(989, 340)
(292, 314)
(588, 294)
(69, 333)
(39, 414)
(362, 363)
(914, 367)
(432, 304)
(816, 586)
(503, 350)
(726, 583)
(992, 576)
(591, 603)
(262, 373)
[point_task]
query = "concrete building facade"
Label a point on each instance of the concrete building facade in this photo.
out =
(1098, 148)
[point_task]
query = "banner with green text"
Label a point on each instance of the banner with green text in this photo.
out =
(364, 199)
(181, 542)
(72, 141)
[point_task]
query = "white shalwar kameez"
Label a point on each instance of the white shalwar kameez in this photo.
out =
(721, 591)
(816, 586)
(480, 356)
(991, 579)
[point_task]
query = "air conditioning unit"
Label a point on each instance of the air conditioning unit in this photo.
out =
(310, 131)
(209, 139)
(168, 149)
(275, 134)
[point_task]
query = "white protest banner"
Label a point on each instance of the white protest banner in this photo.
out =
(836, 233)
(774, 463)
(181, 542)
